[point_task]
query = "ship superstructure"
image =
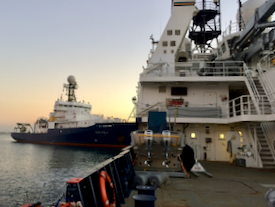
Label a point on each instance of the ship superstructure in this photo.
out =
(221, 98)
(72, 114)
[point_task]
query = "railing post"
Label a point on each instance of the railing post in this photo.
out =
(228, 109)
(234, 109)
(223, 69)
(241, 103)
(249, 105)
(263, 103)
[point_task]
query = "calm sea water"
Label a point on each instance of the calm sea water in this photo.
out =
(33, 172)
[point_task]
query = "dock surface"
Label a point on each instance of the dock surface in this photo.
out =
(231, 186)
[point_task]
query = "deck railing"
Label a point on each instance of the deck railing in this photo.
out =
(267, 62)
(215, 68)
(249, 77)
(267, 86)
(255, 144)
(269, 137)
(231, 29)
(198, 67)
(121, 172)
(208, 5)
(244, 105)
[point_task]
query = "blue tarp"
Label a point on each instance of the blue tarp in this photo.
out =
(157, 121)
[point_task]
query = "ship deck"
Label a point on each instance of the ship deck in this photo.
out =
(231, 186)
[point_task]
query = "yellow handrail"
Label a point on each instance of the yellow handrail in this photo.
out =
(158, 135)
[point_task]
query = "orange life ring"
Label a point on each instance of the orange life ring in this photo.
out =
(102, 184)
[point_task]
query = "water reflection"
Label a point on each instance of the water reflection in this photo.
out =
(32, 170)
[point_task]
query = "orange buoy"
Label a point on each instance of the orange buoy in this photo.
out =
(102, 184)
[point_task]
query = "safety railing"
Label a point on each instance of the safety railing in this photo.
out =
(267, 62)
(231, 29)
(267, 86)
(152, 68)
(255, 144)
(269, 138)
(248, 74)
(225, 68)
(88, 189)
(208, 5)
(211, 24)
(244, 105)
(199, 67)
(215, 68)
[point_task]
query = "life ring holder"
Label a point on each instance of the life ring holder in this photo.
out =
(102, 184)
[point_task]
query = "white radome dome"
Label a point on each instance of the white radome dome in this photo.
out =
(71, 79)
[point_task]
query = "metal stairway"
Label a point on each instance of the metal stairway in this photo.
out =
(263, 102)
(265, 152)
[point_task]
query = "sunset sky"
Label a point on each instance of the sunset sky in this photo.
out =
(104, 44)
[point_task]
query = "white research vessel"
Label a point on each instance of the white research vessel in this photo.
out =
(222, 99)
(71, 123)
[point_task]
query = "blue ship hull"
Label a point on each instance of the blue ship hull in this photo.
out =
(100, 135)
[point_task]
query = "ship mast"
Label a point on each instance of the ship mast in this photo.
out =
(70, 88)
(206, 25)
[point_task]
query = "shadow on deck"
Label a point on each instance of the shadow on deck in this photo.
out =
(231, 186)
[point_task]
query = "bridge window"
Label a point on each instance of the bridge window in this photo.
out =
(169, 32)
(179, 91)
(164, 43)
(177, 32)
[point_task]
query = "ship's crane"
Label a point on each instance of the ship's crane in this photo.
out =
(252, 41)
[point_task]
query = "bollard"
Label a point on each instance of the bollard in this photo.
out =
(146, 190)
(144, 200)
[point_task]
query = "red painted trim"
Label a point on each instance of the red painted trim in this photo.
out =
(78, 144)
(75, 180)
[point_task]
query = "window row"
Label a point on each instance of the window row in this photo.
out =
(164, 51)
(61, 105)
(170, 32)
(165, 43)
(175, 91)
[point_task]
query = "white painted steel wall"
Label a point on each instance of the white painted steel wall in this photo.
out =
(195, 94)
(217, 149)
(179, 20)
